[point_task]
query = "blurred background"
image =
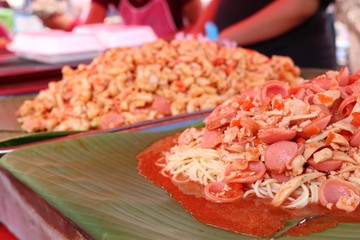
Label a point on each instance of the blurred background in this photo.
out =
(22, 15)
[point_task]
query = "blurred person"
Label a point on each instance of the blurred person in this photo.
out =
(294, 28)
(4, 35)
(4, 4)
(166, 17)
(5, 22)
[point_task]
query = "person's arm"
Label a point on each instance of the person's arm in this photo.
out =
(60, 21)
(271, 21)
(192, 10)
(97, 13)
(207, 15)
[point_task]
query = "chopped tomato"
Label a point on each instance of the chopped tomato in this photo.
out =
(348, 109)
(300, 140)
(228, 70)
(294, 90)
(235, 123)
(356, 119)
(311, 130)
(278, 104)
(245, 104)
(219, 61)
(330, 138)
(325, 99)
(180, 86)
(346, 134)
(257, 141)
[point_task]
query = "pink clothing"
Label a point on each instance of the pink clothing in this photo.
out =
(165, 16)
(3, 32)
(155, 13)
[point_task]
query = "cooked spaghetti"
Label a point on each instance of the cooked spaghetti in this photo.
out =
(294, 145)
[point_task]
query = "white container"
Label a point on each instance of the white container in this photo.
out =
(55, 46)
(84, 42)
(116, 35)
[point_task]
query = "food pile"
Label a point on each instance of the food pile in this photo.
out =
(292, 145)
(130, 85)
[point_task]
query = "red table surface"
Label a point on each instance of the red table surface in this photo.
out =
(5, 234)
(18, 75)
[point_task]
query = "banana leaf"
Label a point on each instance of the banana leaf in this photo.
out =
(8, 107)
(24, 138)
(9, 126)
(16, 138)
(93, 180)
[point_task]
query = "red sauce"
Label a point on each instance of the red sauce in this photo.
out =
(251, 216)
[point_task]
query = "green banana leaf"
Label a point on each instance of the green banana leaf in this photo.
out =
(17, 139)
(94, 181)
(9, 126)
(8, 107)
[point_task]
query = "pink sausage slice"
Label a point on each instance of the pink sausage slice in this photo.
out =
(281, 177)
(273, 135)
(319, 124)
(322, 122)
(278, 154)
(223, 192)
(162, 105)
(111, 120)
(332, 189)
(251, 174)
(355, 139)
(321, 83)
(249, 124)
(326, 166)
(344, 76)
(300, 94)
(347, 105)
(348, 90)
(272, 88)
(219, 121)
(210, 139)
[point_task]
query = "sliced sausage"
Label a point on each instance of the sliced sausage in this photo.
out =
(346, 91)
(220, 120)
(326, 166)
(187, 136)
(251, 174)
(278, 154)
(332, 190)
(355, 139)
(273, 88)
(315, 127)
(281, 177)
(272, 135)
(210, 139)
(223, 192)
(111, 120)
(249, 124)
(347, 105)
(161, 105)
(344, 76)
(300, 94)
